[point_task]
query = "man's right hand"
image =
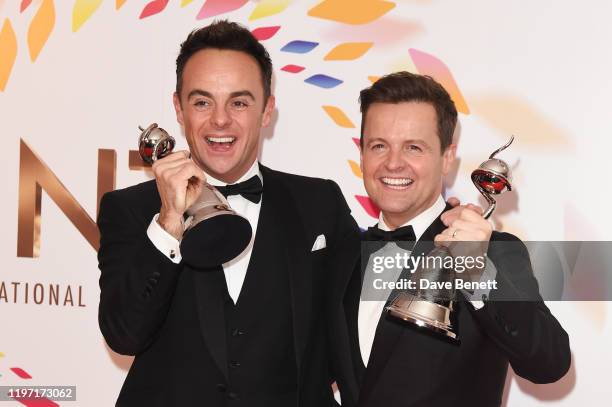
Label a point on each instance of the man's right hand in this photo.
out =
(179, 182)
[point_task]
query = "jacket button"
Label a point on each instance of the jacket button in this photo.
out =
(221, 388)
(237, 332)
(232, 396)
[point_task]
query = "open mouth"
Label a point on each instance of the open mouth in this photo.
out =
(220, 144)
(396, 183)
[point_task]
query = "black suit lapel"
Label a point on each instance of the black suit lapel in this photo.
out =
(390, 329)
(281, 205)
(210, 290)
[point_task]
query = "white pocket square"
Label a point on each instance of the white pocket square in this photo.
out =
(319, 243)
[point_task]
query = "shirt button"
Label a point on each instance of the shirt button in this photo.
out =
(234, 364)
(232, 396)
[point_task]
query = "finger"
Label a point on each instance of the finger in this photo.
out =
(475, 208)
(177, 155)
(452, 201)
(451, 215)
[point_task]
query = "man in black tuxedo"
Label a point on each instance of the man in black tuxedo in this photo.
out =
(250, 332)
(406, 149)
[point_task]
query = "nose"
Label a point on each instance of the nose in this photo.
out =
(220, 118)
(395, 160)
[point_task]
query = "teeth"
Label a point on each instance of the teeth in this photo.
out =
(397, 181)
(220, 139)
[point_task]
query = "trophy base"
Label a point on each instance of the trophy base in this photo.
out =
(215, 239)
(425, 314)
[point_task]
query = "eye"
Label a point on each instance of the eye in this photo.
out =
(415, 148)
(378, 146)
(201, 103)
(239, 104)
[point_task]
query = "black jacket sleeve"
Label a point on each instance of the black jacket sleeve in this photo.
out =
(137, 281)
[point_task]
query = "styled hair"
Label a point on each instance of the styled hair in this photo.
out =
(225, 35)
(400, 87)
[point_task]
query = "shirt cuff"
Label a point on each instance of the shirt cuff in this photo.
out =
(478, 297)
(164, 241)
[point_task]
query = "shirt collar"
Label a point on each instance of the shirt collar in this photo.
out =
(421, 222)
(254, 170)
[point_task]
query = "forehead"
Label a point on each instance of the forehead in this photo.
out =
(405, 120)
(223, 70)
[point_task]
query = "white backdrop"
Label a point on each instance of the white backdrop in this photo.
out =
(86, 73)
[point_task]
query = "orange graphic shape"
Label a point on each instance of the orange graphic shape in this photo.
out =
(266, 8)
(8, 50)
(373, 79)
(355, 168)
(40, 28)
(119, 4)
(348, 51)
(429, 65)
(338, 116)
(351, 11)
(82, 10)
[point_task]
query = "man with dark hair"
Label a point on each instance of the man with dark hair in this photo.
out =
(379, 360)
(250, 332)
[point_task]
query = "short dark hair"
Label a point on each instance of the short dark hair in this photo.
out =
(225, 35)
(404, 86)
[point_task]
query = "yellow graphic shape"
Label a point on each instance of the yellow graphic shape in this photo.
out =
(355, 168)
(119, 4)
(185, 2)
(351, 11)
(338, 116)
(267, 8)
(1, 355)
(348, 51)
(8, 50)
(82, 10)
(40, 28)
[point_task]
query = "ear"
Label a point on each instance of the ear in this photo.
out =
(448, 158)
(178, 108)
(268, 110)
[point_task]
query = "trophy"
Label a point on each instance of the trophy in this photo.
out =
(432, 308)
(214, 233)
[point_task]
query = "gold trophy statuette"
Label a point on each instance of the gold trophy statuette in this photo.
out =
(432, 308)
(214, 233)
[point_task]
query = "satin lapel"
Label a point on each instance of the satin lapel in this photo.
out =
(210, 290)
(294, 251)
(390, 329)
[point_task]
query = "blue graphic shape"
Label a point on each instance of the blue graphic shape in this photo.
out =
(323, 81)
(299, 47)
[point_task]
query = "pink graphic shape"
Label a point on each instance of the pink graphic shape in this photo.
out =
(215, 7)
(24, 5)
(154, 7)
(367, 204)
(37, 402)
(21, 373)
(292, 68)
(264, 33)
(429, 65)
(356, 141)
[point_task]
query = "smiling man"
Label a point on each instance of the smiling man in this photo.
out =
(407, 148)
(250, 332)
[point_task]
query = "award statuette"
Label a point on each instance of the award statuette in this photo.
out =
(432, 308)
(214, 234)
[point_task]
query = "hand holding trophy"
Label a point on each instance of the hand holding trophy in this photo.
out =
(213, 233)
(431, 308)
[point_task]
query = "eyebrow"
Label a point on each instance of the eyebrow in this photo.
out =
(200, 92)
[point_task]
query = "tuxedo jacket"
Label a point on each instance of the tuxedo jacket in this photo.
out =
(171, 316)
(410, 366)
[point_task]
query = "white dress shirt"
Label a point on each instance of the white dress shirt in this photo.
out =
(234, 270)
(370, 311)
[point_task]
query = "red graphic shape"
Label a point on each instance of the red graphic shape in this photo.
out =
(264, 33)
(367, 204)
(356, 141)
(24, 5)
(292, 68)
(154, 7)
(21, 373)
(37, 402)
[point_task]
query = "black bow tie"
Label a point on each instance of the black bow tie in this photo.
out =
(250, 189)
(404, 236)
